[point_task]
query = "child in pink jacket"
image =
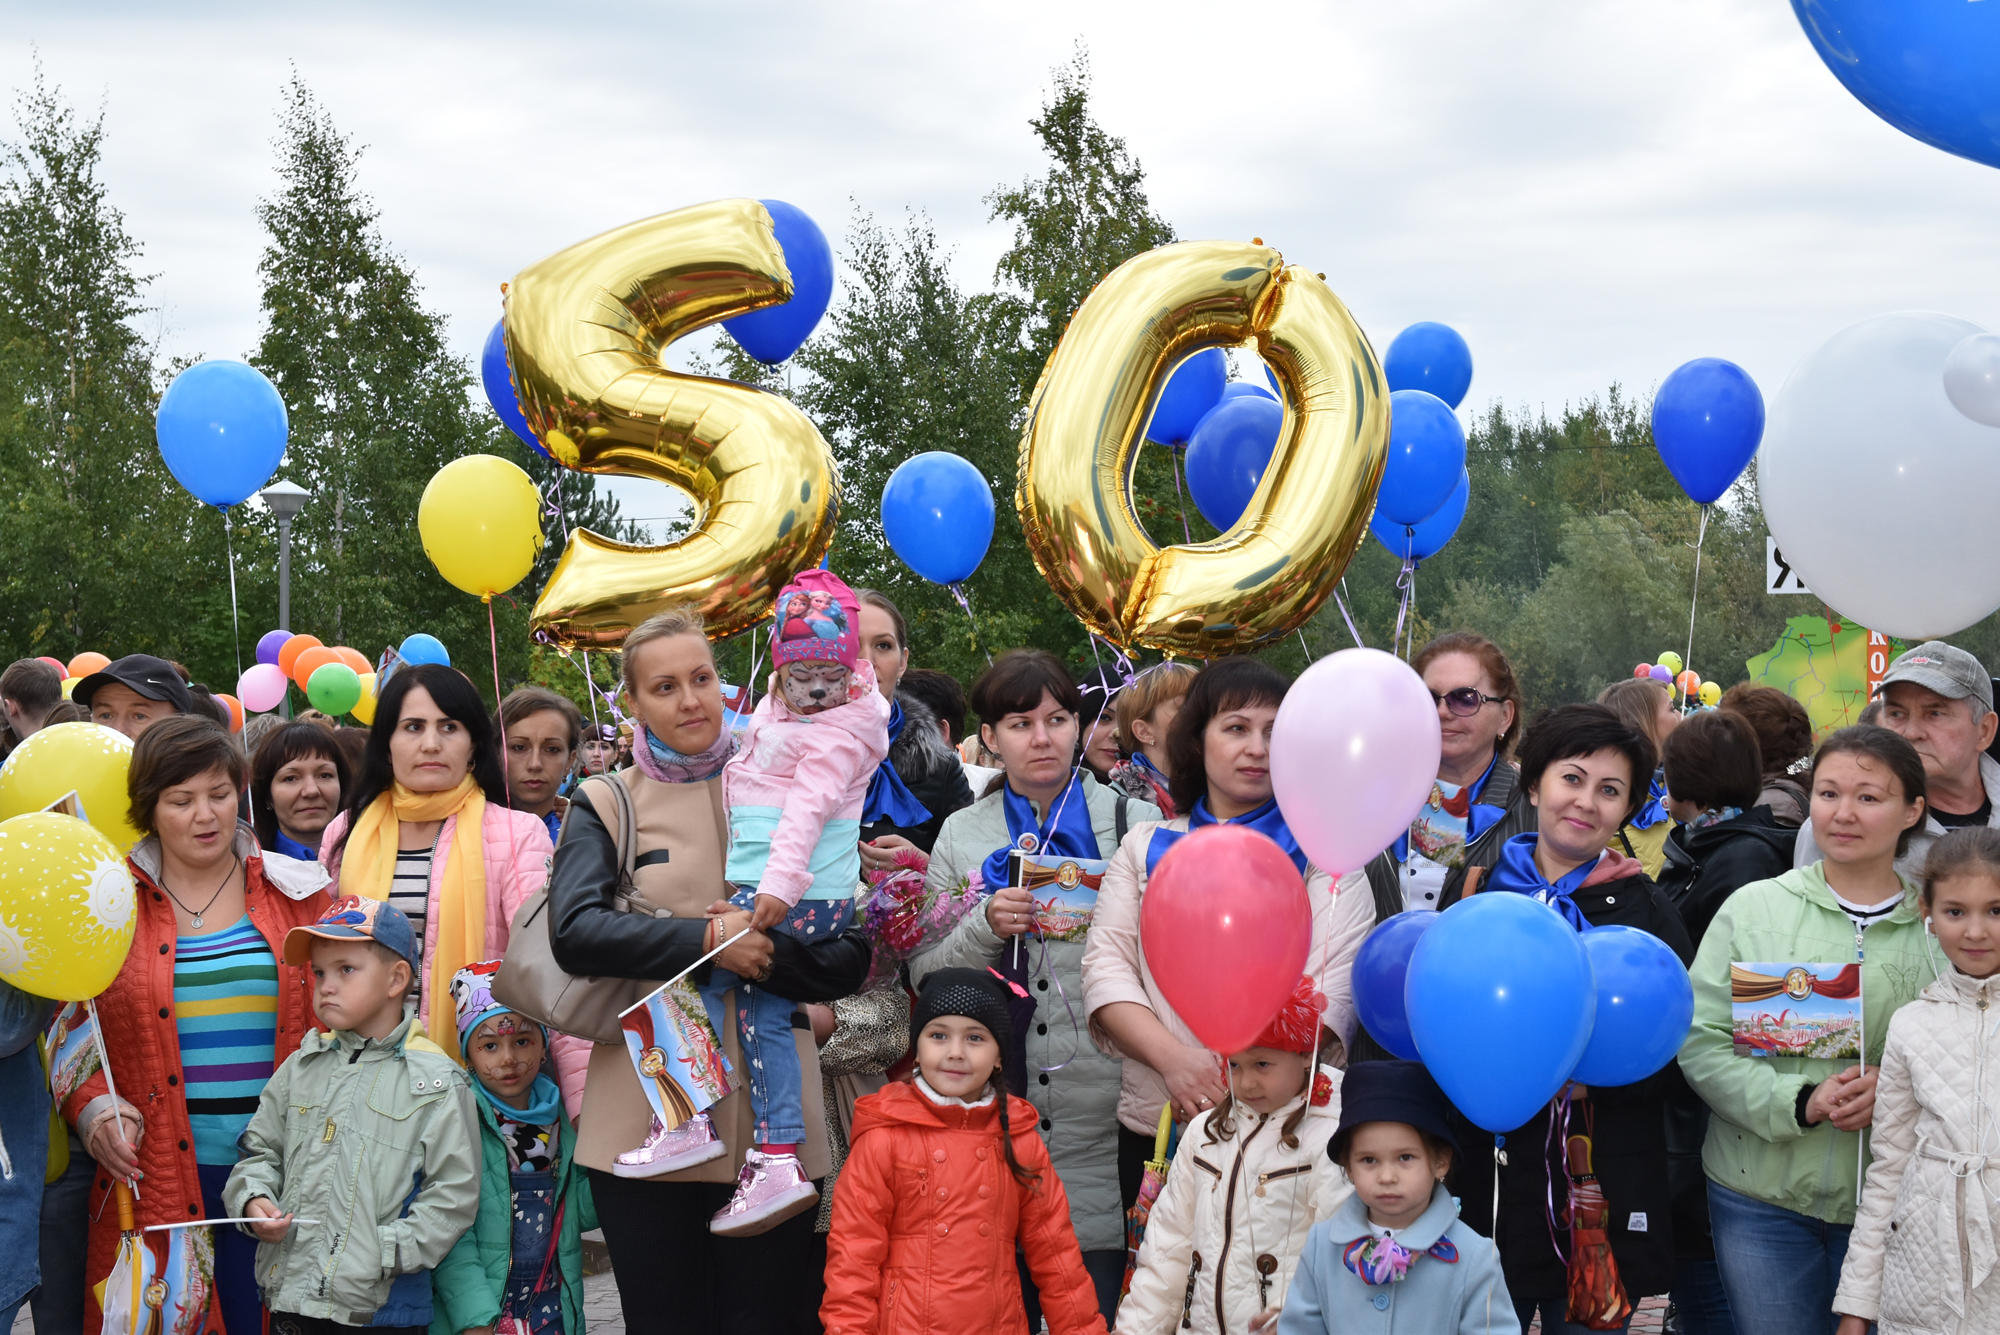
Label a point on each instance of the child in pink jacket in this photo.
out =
(795, 791)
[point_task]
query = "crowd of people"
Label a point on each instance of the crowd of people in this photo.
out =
(910, 916)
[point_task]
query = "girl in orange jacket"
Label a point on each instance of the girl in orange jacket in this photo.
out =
(946, 1176)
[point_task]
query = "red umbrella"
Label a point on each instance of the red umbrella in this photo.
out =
(1597, 1298)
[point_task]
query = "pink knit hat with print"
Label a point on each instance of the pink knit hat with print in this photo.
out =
(817, 620)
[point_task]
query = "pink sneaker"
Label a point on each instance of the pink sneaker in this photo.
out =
(770, 1189)
(692, 1142)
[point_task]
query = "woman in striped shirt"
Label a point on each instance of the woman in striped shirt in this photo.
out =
(203, 1009)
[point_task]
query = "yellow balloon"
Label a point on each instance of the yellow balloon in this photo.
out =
(1262, 579)
(67, 907)
(1671, 661)
(481, 523)
(587, 332)
(83, 758)
(68, 685)
(1711, 693)
(364, 709)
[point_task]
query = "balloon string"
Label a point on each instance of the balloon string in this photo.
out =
(1687, 664)
(110, 1085)
(1560, 1138)
(750, 687)
(500, 716)
(957, 590)
(235, 621)
(1406, 583)
(1348, 617)
(1186, 533)
(1499, 1162)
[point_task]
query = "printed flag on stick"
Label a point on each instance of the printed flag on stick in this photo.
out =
(678, 1054)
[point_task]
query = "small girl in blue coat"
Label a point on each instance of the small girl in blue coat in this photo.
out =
(1395, 1256)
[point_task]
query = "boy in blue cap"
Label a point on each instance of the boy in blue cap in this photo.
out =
(367, 1131)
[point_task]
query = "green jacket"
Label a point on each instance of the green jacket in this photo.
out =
(467, 1286)
(378, 1142)
(1755, 1144)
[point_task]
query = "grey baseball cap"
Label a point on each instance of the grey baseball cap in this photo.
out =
(1946, 669)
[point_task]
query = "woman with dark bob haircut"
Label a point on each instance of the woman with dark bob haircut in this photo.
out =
(428, 828)
(212, 915)
(1042, 803)
(298, 776)
(1219, 759)
(1786, 1132)
(1585, 771)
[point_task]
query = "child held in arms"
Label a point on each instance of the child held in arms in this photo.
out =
(795, 791)
(519, 1269)
(366, 1135)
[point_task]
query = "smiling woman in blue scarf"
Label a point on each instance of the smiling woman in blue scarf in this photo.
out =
(1584, 770)
(1220, 748)
(1065, 826)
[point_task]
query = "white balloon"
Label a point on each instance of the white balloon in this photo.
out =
(1879, 491)
(1972, 378)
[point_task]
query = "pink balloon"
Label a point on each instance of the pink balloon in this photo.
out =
(1353, 755)
(1225, 926)
(262, 687)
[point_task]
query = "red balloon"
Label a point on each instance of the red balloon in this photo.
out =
(1643, 670)
(1226, 926)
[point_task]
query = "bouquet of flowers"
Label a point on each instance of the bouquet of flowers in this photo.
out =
(900, 917)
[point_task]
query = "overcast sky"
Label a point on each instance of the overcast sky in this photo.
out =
(1590, 192)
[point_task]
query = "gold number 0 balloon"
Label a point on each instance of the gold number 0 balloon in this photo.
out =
(1263, 578)
(586, 330)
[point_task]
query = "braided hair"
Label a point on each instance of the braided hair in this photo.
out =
(1030, 1178)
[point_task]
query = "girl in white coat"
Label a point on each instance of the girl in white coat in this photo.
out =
(1926, 1243)
(1249, 1180)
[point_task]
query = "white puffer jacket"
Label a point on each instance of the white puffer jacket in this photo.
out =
(1922, 1254)
(1226, 1205)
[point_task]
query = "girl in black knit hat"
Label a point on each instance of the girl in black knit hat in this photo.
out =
(947, 1175)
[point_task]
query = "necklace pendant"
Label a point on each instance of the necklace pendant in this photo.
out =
(195, 922)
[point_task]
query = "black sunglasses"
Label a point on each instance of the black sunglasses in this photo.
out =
(1466, 700)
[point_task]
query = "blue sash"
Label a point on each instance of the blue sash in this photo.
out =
(1265, 820)
(1066, 831)
(889, 798)
(1516, 871)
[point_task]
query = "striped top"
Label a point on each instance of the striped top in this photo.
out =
(410, 891)
(226, 1015)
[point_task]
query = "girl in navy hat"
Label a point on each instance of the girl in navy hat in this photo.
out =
(1395, 1255)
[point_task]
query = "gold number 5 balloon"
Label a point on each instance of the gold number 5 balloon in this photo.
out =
(587, 331)
(1263, 578)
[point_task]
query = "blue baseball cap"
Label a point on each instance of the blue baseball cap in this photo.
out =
(354, 918)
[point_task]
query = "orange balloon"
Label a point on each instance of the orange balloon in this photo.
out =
(355, 659)
(288, 656)
(235, 710)
(88, 662)
(310, 661)
(1688, 681)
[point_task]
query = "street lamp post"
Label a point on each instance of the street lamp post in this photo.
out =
(285, 499)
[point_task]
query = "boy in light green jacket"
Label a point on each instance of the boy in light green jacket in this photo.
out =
(362, 1160)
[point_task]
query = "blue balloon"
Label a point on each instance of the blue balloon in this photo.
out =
(1380, 968)
(1499, 996)
(775, 333)
(1645, 1004)
(499, 385)
(221, 428)
(1194, 387)
(937, 513)
(1924, 66)
(1707, 420)
(1431, 357)
(1276, 388)
(422, 648)
(1426, 457)
(1228, 455)
(1420, 542)
(1244, 389)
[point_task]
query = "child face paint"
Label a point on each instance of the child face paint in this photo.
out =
(505, 1053)
(813, 686)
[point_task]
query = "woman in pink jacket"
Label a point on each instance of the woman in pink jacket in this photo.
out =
(428, 829)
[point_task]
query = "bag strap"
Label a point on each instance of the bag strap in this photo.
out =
(1118, 820)
(626, 836)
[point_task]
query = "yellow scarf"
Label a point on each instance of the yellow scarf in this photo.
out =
(368, 864)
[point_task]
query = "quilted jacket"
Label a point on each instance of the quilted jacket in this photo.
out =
(927, 1217)
(1227, 1204)
(1114, 967)
(137, 1016)
(1922, 1255)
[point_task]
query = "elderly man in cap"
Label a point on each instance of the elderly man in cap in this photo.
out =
(134, 693)
(1940, 700)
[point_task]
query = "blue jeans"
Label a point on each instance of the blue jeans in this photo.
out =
(1700, 1300)
(1555, 1316)
(764, 1025)
(1779, 1267)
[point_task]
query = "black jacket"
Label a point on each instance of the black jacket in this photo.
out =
(591, 936)
(1705, 867)
(929, 768)
(1629, 1148)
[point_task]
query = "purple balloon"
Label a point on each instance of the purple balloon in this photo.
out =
(1659, 673)
(269, 646)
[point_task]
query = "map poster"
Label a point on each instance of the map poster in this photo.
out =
(1064, 890)
(1830, 667)
(1796, 1010)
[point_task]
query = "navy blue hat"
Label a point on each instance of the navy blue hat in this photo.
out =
(1390, 1091)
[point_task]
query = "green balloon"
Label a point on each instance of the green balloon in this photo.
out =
(334, 688)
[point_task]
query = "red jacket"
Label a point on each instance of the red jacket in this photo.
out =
(925, 1219)
(137, 1016)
